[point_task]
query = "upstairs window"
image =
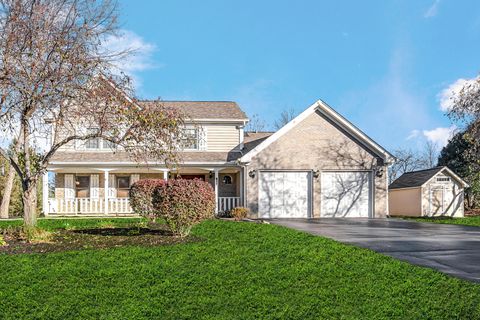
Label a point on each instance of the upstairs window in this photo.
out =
(189, 139)
(93, 143)
(443, 179)
(97, 143)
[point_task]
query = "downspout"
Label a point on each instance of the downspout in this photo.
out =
(388, 194)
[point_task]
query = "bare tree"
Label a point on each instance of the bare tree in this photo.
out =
(7, 192)
(56, 83)
(429, 155)
(285, 117)
(412, 160)
(256, 124)
(407, 160)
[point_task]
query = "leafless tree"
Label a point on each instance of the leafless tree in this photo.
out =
(56, 85)
(412, 160)
(407, 160)
(429, 155)
(256, 124)
(285, 117)
(7, 192)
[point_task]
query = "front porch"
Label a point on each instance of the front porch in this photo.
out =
(104, 191)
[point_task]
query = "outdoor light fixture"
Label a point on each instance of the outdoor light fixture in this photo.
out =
(316, 173)
(379, 172)
(252, 173)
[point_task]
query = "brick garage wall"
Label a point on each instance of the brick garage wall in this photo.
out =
(316, 144)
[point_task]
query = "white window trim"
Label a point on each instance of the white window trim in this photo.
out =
(197, 133)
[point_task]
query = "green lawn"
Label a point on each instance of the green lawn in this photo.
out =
(468, 221)
(239, 270)
(57, 223)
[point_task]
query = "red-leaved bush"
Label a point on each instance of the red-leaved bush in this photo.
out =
(141, 197)
(183, 203)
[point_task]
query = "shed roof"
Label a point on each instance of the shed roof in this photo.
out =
(419, 178)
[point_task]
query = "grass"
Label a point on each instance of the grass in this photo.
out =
(74, 223)
(467, 221)
(239, 270)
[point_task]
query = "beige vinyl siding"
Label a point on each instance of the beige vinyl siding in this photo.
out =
(222, 138)
(405, 202)
(62, 134)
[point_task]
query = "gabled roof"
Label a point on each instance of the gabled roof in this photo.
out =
(333, 116)
(419, 178)
(203, 110)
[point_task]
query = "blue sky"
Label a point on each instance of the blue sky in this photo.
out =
(385, 65)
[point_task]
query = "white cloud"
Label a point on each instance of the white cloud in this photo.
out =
(447, 95)
(414, 134)
(139, 57)
(432, 10)
(440, 135)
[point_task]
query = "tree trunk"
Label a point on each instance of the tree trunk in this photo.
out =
(30, 205)
(7, 192)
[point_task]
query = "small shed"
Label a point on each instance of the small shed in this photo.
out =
(432, 192)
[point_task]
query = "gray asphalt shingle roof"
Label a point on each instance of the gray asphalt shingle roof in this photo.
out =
(224, 110)
(414, 178)
(121, 156)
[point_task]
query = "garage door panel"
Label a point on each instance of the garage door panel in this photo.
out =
(284, 194)
(346, 194)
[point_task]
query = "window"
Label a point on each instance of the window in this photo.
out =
(108, 144)
(97, 143)
(92, 143)
(123, 186)
(443, 179)
(189, 138)
(227, 180)
(82, 186)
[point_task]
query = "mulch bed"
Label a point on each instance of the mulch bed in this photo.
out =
(101, 238)
(472, 212)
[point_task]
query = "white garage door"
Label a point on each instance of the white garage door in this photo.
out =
(284, 194)
(346, 194)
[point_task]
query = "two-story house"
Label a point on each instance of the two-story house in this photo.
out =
(318, 165)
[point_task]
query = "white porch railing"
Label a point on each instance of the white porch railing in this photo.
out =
(88, 206)
(228, 203)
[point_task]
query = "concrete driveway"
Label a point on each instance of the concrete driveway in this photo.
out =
(451, 249)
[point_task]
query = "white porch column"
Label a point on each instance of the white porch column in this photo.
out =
(165, 174)
(216, 189)
(240, 176)
(105, 190)
(45, 205)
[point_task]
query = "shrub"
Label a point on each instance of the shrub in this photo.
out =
(141, 196)
(239, 213)
(2, 241)
(183, 203)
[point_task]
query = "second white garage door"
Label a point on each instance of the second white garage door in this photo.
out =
(284, 194)
(346, 194)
